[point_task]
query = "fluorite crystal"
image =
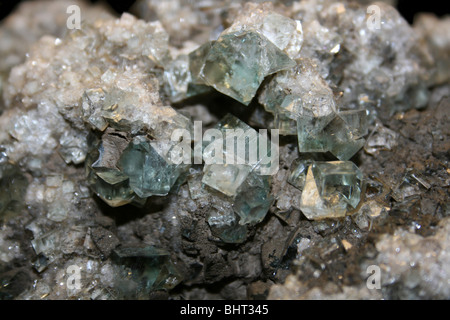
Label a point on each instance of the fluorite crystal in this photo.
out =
(381, 138)
(238, 62)
(285, 33)
(96, 109)
(302, 95)
(143, 270)
(224, 224)
(253, 200)
(147, 165)
(330, 190)
(243, 150)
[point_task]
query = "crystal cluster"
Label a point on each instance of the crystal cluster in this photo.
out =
(304, 104)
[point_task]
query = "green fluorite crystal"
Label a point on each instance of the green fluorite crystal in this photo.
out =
(103, 176)
(299, 169)
(225, 178)
(241, 154)
(224, 223)
(142, 270)
(301, 95)
(331, 189)
(253, 200)
(238, 62)
(112, 186)
(147, 167)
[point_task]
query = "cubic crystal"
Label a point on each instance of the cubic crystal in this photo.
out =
(331, 189)
(142, 270)
(237, 63)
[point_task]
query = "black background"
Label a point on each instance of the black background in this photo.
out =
(408, 8)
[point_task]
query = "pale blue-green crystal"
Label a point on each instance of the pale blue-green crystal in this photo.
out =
(253, 200)
(241, 154)
(285, 125)
(297, 176)
(224, 224)
(103, 177)
(226, 178)
(357, 120)
(331, 189)
(149, 172)
(143, 270)
(335, 136)
(112, 186)
(237, 63)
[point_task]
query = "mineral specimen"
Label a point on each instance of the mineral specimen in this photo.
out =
(92, 120)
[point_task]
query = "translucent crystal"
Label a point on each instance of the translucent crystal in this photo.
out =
(302, 95)
(381, 138)
(73, 147)
(224, 224)
(226, 178)
(285, 33)
(112, 186)
(299, 169)
(357, 121)
(150, 173)
(142, 270)
(285, 125)
(298, 91)
(177, 78)
(331, 189)
(253, 200)
(237, 63)
(241, 153)
(103, 176)
(336, 136)
(46, 247)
